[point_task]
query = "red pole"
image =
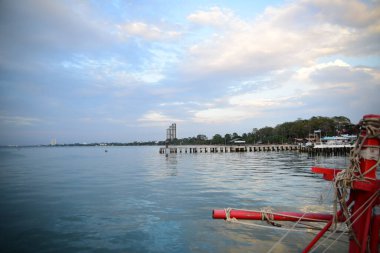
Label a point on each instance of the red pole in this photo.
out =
(278, 216)
(323, 231)
(360, 227)
(375, 229)
(318, 236)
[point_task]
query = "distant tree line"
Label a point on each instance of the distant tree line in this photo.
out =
(286, 132)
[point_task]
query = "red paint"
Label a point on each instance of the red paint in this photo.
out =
(328, 174)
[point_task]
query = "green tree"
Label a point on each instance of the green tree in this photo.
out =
(227, 138)
(217, 139)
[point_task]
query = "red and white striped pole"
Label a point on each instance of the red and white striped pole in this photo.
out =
(363, 205)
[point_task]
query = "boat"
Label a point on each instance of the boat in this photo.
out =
(357, 194)
(342, 141)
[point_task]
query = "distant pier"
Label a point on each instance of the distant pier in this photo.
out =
(193, 149)
(329, 150)
(226, 148)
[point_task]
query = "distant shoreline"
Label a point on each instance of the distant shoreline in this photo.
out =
(111, 144)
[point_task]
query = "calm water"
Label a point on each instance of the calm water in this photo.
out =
(132, 199)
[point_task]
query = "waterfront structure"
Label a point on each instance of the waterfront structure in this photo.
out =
(226, 148)
(231, 148)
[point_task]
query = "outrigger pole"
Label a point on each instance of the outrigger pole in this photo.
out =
(357, 193)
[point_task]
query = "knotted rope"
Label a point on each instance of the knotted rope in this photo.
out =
(344, 180)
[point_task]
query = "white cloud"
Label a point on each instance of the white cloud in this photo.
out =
(253, 101)
(276, 40)
(222, 115)
(118, 72)
(154, 118)
(187, 103)
(304, 73)
(318, 87)
(223, 69)
(215, 16)
(145, 31)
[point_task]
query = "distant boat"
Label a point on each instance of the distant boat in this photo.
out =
(237, 141)
(342, 141)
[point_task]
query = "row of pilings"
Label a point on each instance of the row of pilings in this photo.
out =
(226, 149)
(329, 151)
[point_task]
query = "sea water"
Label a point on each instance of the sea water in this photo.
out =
(133, 199)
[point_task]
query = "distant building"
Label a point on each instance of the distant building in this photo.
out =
(53, 142)
(171, 132)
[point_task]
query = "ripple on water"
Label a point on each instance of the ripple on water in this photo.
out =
(132, 199)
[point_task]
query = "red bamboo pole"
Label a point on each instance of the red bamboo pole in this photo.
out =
(278, 216)
(317, 237)
(375, 230)
(324, 230)
(361, 225)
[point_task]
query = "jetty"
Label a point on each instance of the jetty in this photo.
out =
(226, 148)
(327, 150)
(330, 150)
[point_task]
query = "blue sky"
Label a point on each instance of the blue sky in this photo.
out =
(94, 71)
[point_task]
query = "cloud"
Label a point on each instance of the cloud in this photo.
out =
(35, 28)
(222, 115)
(136, 65)
(145, 31)
(278, 40)
(11, 120)
(116, 71)
(304, 73)
(252, 100)
(154, 118)
(314, 89)
(350, 13)
(215, 17)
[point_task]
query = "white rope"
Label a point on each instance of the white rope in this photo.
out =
(367, 204)
(274, 213)
(348, 227)
(345, 179)
(234, 220)
(285, 235)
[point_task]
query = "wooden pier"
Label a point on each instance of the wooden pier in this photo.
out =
(328, 150)
(226, 149)
(193, 149)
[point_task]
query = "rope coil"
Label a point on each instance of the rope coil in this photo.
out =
(268, 216)
(345, 179)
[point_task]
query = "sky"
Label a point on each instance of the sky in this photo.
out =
(123, 71)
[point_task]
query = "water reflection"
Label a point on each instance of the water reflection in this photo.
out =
(171, 165)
